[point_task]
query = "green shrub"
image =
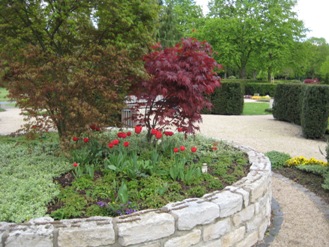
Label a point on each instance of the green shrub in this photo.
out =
(315, 111)
(277, 159)
(260, 88)
(287, 104)
(228, 99)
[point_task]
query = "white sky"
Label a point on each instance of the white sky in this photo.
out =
(314, 13)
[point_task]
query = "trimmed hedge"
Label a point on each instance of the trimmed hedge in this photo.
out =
(228, 99)
(287, 104)
(315, 111)
(260, 88)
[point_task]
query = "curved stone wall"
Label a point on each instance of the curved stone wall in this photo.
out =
(236, 216)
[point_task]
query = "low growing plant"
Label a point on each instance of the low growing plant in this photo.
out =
(278, 159)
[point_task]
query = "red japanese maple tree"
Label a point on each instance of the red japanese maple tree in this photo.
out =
(180, 78)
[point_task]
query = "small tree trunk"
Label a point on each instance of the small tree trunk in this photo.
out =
(243, 73)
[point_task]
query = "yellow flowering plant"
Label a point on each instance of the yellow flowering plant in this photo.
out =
(301, 160)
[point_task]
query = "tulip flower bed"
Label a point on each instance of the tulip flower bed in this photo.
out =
(119, 172)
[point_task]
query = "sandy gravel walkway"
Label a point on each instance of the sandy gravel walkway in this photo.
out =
(304, 221)
(262, 133)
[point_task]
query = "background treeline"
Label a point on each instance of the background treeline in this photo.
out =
(261, 40)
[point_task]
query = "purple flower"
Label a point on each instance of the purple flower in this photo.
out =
(130, 211)
(101, 204)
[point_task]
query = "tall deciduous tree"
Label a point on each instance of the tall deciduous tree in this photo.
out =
(240, 29)
(279, 31)
(319, 51)
(182, 75)
(74, 59)
(178, 19)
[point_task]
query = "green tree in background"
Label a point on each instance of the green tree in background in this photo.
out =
(248, 30)
(319, 51)
(178, 19)
(280, 30)
(325, 71)
(75, 60)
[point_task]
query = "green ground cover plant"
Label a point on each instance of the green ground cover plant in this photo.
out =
(311, 173)
(27, 169)
(110, 173)
(251, 108)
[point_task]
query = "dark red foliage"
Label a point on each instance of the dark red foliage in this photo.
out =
(311, 81)
(180, 78)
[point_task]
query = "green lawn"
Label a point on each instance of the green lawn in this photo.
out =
(250, 108)
(3, 94)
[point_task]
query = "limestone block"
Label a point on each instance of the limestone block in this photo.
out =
(145, 227)
(186, 240)
(193, 213)
(249, 240)
(262, 229)
(153, 244)
(244, 215)
(30, 235)
(254, 223)
(260, 162)
(216, 230)
(258, 187)
(233, 237)
(263, 205)
(245, 194)
(41, 220)
(86, 233)
(228, 203)
(215, 243)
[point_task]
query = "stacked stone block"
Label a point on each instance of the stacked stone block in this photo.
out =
(237, 216)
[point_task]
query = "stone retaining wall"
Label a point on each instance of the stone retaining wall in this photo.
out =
(236, 216)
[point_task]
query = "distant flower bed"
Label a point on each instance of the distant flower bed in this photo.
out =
(261, 98)
(301, 160)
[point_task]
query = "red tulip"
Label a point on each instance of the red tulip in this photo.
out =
(158, 135)
(138, 129)
(115, 142)
(168, 133)
(126, 144)
(154, 131)
(193, 149)
(86, 139)
(128, 133)
(75, 164)
(110, 145)
(180, 129)
(214, 148)
(75, 138)
(176, 150)
(182, 148)
(122, 135)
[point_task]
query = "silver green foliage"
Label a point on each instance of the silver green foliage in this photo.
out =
(26, 181)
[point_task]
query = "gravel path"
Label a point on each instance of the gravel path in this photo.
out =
(304, 220)
(262, 133)
(305, 216)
